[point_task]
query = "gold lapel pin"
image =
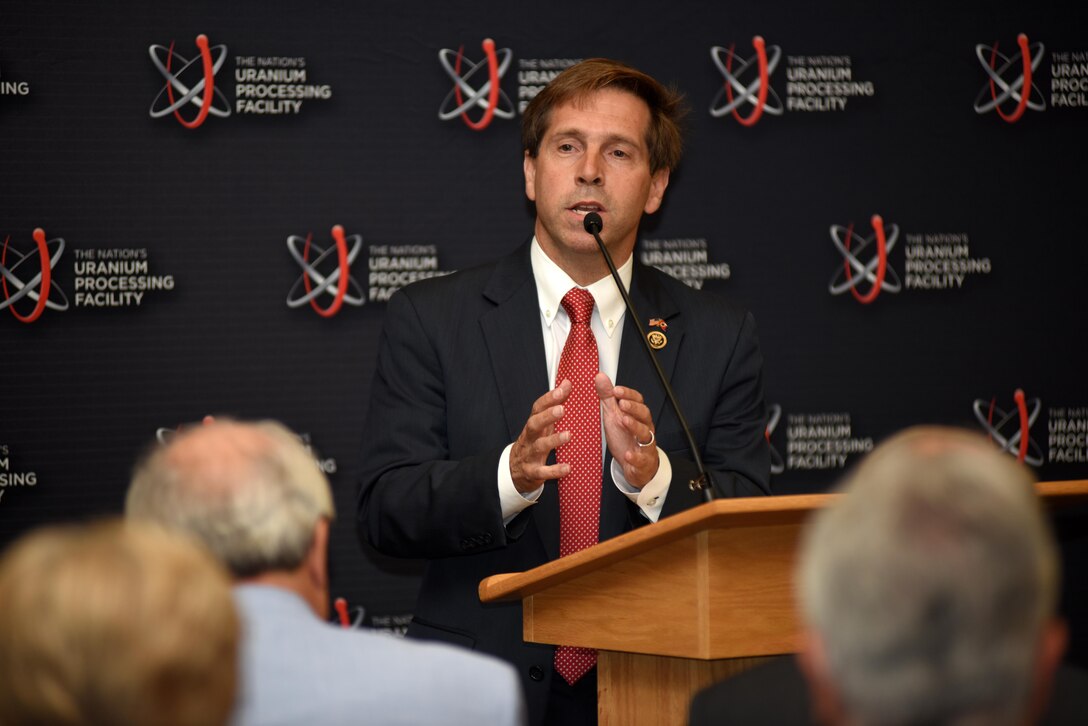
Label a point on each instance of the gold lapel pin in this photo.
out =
(657, 338)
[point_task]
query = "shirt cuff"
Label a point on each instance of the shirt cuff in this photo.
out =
(511, 501)
(651, 498)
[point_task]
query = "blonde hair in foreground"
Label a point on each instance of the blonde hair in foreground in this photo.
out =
(115, 623)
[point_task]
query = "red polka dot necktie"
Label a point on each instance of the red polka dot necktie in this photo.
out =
(579, 491)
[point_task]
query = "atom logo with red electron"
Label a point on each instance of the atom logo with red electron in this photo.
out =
(164, 434)
(191, 84)
(463, 97)
(877, 273)
(40, 287)
(745, 86)
(336, 283)
(997, 424)
(350, 618)
(1012, 76)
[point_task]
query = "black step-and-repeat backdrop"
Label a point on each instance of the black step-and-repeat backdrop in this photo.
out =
(205, 206)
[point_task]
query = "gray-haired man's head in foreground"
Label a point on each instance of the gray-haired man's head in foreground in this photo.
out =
(929, 588)
(252, 493)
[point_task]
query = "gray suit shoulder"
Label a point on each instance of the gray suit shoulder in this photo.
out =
(484, 688)
(297, 668)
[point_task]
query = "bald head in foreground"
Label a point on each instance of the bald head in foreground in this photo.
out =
(97, 627)
(929, 589)
(254, 495)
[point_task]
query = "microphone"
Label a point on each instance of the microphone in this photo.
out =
(593, 224)
(702, 482)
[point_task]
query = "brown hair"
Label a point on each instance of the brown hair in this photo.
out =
(664, 137)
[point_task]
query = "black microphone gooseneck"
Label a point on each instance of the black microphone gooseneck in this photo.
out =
(702, 482)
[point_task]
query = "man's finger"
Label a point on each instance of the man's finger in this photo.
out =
(557, 395)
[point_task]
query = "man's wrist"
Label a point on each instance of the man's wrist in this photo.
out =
(511, 501)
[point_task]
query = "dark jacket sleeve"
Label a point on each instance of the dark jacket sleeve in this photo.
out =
(414, 501)
(731, 434)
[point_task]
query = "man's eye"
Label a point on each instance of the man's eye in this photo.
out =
(566, 147)
(620, 154)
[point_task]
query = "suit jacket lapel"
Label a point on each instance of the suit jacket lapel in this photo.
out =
(635, 369)
(511, 331)
(512, 335)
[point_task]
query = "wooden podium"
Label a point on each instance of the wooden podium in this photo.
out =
(677, 605)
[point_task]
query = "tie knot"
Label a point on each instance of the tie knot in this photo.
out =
(579, 305)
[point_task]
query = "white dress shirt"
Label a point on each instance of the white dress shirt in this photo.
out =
(552, 283)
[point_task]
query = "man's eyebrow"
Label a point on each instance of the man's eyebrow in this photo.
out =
(576, 133)
(581, 136)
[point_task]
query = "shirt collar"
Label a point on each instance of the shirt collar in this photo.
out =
(552, 283)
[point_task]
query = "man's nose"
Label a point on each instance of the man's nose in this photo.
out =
(589, 171)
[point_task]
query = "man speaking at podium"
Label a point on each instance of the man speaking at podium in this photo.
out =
(495, 439)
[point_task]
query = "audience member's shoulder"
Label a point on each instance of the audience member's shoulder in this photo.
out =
(1069, 699)
(464, 686)
(772, 694)
(457, 662)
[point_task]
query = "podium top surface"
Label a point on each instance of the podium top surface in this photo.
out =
(718, 514)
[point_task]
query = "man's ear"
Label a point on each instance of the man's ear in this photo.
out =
(658, 182)
(1052, 644)
(826, 703)
(529, 166)
(317, 564)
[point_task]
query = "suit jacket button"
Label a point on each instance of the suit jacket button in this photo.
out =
(536, 673)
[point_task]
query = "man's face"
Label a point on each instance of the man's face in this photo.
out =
(593, 158)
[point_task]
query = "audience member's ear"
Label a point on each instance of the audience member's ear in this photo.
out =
(317, 566)
(826, 704)
(1052, 646)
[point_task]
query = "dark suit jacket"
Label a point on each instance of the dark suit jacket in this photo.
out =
(460, 362)
(775, 694)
